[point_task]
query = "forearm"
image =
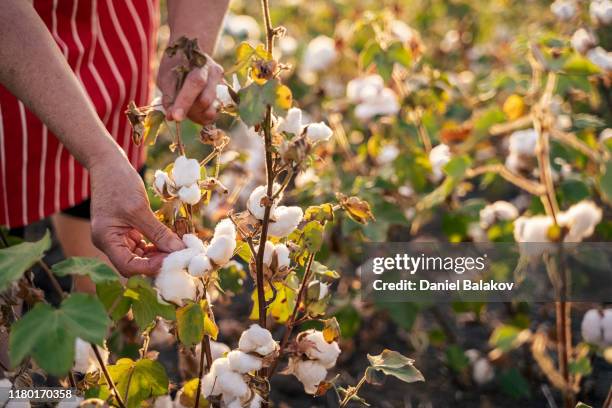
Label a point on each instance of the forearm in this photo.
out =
(201, 19)
(34, 70)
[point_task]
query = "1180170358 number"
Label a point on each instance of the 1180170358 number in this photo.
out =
(42, 394)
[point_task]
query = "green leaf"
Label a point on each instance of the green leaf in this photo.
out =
(400, 54)
(605, 183)
(313, 236)
(145, 378)
(393, 363)
(145, 304)
(374, 376)
(505, 337)
(190, 323)
(581, 366)
(576, 64)
(324, 272)
(17, 259)
(253, 101)
(111, 296)
(48, 334)
(514, 384)
(456, 358)
(97, 270)
(457, 166)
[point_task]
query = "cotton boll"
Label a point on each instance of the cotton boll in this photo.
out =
(286, 221)
(401, 30)
(217, 350)
(606, 325)
(388, 154)
(210, 386)
(523, 142)
(361, 89)
(282, 255)
(76, 403)
(199, 265)
(225, 227)
(438, 157)
(318, 131)
(192, 241)
(310, 373)
(483, 371)
(316, 348)
(85, 360)
(601, 11)
(532, 229)
(601, 58)
(382, 104)
(178, 260)
(498, 211)
(254, 203)
(243, 363)
(605, 135)
(320, 54)
(306, 177)
(256, 401)
(175, 286)
(268, 253)
(473, 355)
(242, 26)
(165, 401)
(161, 180)
(221, 249)
(591, 327)
(582, 40)
(5, 384)
(18, 404)
(190, 195)
(563, 9)
(185, 171)
(582, 219)
(232, 384)
(223, 95)
(258, 340)
(292, 122)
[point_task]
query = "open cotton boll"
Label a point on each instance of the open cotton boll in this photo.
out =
(194, 242)
(175, 286)
(199, 265)
(364, 88)
(310, 373)
(523, 142)
(498, 211)
(161, 180)
(320, 54)
(76, 403)
(286, 221)
(319, 349)
(185, 171)
(601, 11)
(178, 260)
(282, 255)
(606, 325)
(165, 401)
(85, 360)
(532, 229)
(438, 157)
(258, 340)
(591, 327)
(318, 131)
(225, 227)
(223, 95)
(292, 122)
(268, 253)
(582, 40)
(190, 194)
(217, 350)
(221, 249)
(563, 9)
(582, 219)
(242, 26)
(388, 154)
(601, 58)
(383, 104)
(483, 371)
(232, 384)
(243, 363)
(254, 204)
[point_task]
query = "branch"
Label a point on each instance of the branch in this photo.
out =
(530, 186)
(109, 380)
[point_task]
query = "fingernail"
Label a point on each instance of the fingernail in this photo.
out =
(179, 114)
(176, 245)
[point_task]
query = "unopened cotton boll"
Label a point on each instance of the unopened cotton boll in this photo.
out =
(483, 371)
(193, 242)
(601, 58)
(498, 211)
(286, 221)
(438, 157)
(591, 327)
(257, 339)
(221, 249)
(563, 9)
(320, 54)
(322, 351)
(185, 171)
(85, 360)
(243, 363)
(175, 286)
(223, 95)
(225, 227)
(318, 131)
(292, 122)
(601, 11)
(310, 373)
(582, 219)
(523, 142)
(582, 40)
(190, 194)
(199, 265)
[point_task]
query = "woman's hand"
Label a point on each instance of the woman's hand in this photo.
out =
(121, 216)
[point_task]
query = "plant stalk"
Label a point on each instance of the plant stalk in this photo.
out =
(107, 377)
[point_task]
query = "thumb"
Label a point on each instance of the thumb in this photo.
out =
(161, 236)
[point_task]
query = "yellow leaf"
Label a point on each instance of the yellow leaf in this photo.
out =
(210, 326)
(358, 209)
(152, 124)
(514, 107)
(331, 330)
(187, 398)
(284, 98)
(282, 306)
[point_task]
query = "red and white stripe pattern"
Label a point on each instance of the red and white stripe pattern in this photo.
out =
(110, 45)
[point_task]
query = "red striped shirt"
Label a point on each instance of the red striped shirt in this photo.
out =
(110, 45)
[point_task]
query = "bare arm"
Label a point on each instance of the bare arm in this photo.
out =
(34, 70)
(199, 19)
